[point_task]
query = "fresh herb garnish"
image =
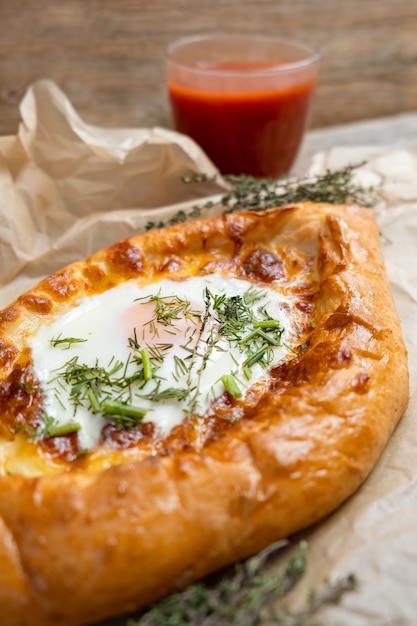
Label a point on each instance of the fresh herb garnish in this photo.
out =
(51, 428)
(248, 596)
(168, 310)
(231, 385)
(147, 364)
(256, 194)
(180, 217)
(169, 393)
(106, 391)
(65, 342)
(118, 391)
(334, 187)
(126, 415)
(253, 330)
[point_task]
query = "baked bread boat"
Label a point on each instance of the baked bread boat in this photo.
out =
(182, 399)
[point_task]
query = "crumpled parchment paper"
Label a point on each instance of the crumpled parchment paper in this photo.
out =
(68, 189)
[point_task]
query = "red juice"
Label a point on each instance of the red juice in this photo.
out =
(245, 132)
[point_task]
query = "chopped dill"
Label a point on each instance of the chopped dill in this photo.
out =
(65, 342)
(252, 329)
(167, 311)
(122, 390)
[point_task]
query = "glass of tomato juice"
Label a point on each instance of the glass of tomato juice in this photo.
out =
(245, 99)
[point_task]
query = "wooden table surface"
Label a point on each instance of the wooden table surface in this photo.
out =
(108, 56)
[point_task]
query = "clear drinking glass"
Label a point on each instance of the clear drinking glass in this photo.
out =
(245, 99)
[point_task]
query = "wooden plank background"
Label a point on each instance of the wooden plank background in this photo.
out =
(108, 55)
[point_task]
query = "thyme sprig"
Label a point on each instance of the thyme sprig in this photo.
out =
(198, 357)
(256, 194)
(334, 187)
(246, 596)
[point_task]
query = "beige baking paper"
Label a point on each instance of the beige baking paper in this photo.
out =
(68, 188)
(374, 534)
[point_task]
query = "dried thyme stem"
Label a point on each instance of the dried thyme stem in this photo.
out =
(255, 194)
(246, 597)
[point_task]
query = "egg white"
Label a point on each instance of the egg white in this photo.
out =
(105, 322)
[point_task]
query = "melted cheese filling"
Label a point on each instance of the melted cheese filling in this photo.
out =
(174, 326)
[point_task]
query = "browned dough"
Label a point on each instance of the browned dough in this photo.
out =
(81, 541)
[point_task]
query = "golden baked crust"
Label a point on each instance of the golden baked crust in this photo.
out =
(86, 537)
